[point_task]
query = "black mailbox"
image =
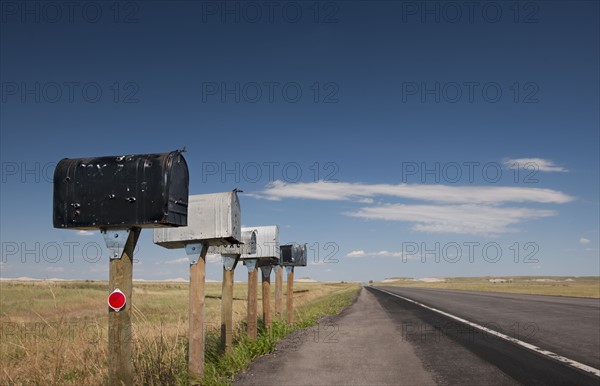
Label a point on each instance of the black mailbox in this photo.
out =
(147, 190)
(293, 255)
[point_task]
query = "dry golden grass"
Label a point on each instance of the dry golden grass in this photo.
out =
(55, 333)
(588, 287)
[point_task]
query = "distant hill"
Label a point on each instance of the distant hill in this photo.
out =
(305, 280)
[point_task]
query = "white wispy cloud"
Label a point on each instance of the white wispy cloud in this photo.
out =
(85, 233)
(540, 164)
(358, 253)
(476, 210)
(332, 191)
(466, 219)
(178, 261)
(362, 253)
(583, 240)
(210, 258)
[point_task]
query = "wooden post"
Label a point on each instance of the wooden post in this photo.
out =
(229, 264)
(290, 295)
(196, 328)
(278, 291)
(120, 337)
(252, 298)
(266, 295)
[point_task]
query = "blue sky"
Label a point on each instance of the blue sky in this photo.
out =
(395, 138)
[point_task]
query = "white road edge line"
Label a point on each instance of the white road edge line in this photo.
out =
(529, 346)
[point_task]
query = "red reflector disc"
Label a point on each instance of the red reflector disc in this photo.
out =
(116, 300)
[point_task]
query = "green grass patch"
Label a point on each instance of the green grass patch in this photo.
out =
(220, 368)
(162, 361)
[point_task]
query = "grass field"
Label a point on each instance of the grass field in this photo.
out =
(56, 332)
(588, 286)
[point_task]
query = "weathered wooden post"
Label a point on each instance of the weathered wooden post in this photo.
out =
(230, 255)
(278, 290)
(120, 195)
(214, 219)
(229, 263)
(120, 336)
(197, 255)
(252, 298)
(292, 255)
(266, 294)
(289, 310)
(267, 253)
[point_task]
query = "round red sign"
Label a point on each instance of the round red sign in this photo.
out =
(116, 300)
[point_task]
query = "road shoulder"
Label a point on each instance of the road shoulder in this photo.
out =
(358, 347)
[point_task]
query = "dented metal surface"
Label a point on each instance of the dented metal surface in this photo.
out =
(213, 219)
(293, 255)
(147, 190)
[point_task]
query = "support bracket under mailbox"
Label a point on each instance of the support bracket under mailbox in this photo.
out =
(251, 264)
(115, 240)
(229, 261)
(266, 270)
(193, 251)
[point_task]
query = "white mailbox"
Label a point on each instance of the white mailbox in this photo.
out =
(213, 219)
(267, 243)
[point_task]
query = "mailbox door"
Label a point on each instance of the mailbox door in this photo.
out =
(267, 242)
(293, 255)
(302, 257)
(149, 190)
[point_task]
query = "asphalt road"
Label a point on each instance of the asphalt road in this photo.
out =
(567, 326)
(385, 340)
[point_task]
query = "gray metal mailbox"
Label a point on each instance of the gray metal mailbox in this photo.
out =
(267, 243)
(213, 219)
(293, 255)
(248, 245)
(147, 190)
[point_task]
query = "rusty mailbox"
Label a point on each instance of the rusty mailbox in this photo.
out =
(213, 219)
(293, 255)
(141, 191)
(267, 244)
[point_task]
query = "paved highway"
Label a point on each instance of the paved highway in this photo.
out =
(567, 326)
(386, 340)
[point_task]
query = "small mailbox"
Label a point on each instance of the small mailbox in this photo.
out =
(293, 255)
(213, 219)
(267, 243)
(148, 190)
